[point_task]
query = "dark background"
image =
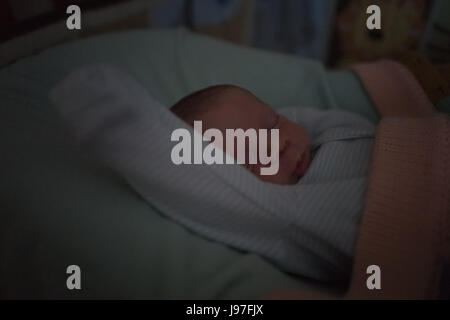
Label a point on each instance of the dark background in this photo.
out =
(332, 31)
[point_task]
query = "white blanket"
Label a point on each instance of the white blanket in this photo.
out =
(308, 229)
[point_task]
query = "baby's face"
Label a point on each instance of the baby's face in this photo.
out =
(241, 109)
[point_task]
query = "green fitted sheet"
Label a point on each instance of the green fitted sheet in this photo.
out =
(58, 208)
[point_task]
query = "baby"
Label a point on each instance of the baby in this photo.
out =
(324, 157)
(231, 107)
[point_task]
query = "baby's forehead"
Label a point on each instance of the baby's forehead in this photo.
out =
(241, 113)
(244, 101)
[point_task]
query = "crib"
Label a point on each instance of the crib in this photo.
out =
(59, 209)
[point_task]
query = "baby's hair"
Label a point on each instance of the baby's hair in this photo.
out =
(194, 105)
